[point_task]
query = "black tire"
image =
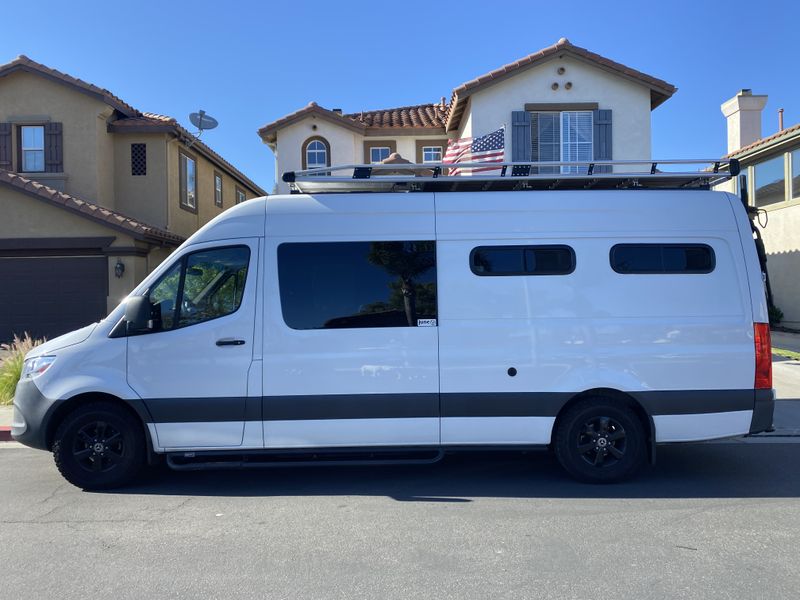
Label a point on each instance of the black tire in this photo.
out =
(99, 446)
(601, 440)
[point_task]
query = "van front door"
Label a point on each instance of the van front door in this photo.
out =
(191, 369)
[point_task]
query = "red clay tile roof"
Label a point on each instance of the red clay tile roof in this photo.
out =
(417, 116)
(267, 132)
(660, 90)
(775, 137)
(91, 211)
(132, 118)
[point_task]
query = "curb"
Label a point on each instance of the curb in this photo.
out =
(5, 434)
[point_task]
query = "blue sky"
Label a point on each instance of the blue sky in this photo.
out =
(248, 63)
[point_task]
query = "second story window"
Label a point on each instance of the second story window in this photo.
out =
(188, 175)
(562, 137)
(316, 153)
(32, 148)
(431, 154)
(138, 159)
(218, 189)
(240, 195)
(379, 153)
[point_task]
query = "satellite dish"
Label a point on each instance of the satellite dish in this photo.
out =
(203, 121)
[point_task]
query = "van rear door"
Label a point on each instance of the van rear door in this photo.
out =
(192, 369)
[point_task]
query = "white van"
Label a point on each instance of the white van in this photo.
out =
(399, 325)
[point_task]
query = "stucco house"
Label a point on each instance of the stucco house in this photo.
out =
(772, 166)
(94, 195)
(562, 102)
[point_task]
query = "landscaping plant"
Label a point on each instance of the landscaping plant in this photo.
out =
(11, 365)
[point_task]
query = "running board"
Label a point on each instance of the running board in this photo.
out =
(199, 461)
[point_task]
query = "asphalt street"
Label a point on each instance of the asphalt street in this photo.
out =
(708, 521)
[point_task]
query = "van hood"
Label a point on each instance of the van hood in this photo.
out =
(62, 341)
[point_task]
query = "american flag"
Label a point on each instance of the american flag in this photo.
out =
(488, 148)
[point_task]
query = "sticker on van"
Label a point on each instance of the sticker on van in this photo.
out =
(426, 322)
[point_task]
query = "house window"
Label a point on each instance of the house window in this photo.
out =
(316, 153)
(379, 153)
(188, 175)
(562, 137)
(32, 148)
(796, 174)
(769, 182)
(138, 159)
(343, 285)
(218, 189)
(431, 154)
(240, 195)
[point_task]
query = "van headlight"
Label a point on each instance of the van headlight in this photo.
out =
(33, 367)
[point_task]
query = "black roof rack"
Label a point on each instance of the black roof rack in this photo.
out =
(434, 177)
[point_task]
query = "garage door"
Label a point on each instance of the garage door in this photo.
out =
(51, 295)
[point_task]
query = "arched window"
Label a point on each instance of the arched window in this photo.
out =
(316, 153)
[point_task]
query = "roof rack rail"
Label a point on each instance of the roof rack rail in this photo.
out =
(598, 174)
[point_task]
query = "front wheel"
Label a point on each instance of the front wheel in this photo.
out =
(600, 440)
(99, 446)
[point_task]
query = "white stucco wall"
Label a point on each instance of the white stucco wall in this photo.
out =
(346, 145)
(629, 102)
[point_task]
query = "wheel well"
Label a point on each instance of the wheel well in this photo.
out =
(70, 405)
(644, 416)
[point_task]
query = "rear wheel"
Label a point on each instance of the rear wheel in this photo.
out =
(600, 440)
(99, 446)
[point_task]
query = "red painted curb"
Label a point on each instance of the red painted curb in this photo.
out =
(5, 434)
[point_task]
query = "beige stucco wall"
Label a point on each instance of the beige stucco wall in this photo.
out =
(142, 196)
(491, 108)
(185, 222)
(86, 154)
(782, 242)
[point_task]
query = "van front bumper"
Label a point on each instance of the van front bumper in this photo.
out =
(32, 412)
(763, 411)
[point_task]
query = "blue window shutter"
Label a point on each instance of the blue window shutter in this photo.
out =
(602, 138)
(520, 136)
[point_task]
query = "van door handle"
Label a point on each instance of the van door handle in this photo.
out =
(230, 342)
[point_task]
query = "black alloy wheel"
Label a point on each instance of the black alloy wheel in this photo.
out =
(99, 446)
(600, 440)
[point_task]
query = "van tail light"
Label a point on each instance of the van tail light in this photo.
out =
(763, 356)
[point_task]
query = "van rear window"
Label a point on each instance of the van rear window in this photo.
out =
(662, 258)
(522, 260)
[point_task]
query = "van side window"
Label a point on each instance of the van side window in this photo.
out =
(662, 258)
(338, 285)
(199, 287)
(522, 260)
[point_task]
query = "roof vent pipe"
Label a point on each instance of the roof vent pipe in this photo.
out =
(338, 111)
(780, 119)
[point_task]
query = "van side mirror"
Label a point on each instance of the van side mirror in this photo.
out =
(138, 315)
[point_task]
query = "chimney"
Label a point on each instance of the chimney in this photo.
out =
(743, 113)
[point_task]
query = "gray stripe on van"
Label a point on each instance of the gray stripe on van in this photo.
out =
(421, 405)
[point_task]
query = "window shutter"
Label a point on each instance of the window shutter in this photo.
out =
(5, 146)
(602, 139)
(53, 148)
(520, 136)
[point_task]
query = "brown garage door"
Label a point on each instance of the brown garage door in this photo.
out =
(51, 295)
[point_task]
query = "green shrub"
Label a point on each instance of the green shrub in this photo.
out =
(775, 315)
(11, 365)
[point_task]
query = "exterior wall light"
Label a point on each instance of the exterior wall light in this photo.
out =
(119, 269)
